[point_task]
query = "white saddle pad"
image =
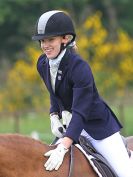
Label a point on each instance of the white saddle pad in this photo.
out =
(89, 157)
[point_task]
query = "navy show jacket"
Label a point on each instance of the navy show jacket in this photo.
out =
(75, 91)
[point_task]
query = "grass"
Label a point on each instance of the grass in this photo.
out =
(40, 123)
(128, 120)
(29, 124)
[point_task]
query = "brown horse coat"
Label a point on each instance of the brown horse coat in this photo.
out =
(22, 156)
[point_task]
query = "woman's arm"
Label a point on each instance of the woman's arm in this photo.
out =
(67, 142)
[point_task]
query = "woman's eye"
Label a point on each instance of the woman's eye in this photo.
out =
(51, 39)
(47, 40)
(42, 41)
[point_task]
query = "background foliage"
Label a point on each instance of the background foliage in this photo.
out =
(17, 19)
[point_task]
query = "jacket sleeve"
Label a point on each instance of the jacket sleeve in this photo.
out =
(54, 107)
(82, 79)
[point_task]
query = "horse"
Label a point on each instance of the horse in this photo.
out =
(23, 156)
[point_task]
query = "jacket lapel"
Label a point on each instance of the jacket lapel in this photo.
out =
(47, 77)
(63, 67)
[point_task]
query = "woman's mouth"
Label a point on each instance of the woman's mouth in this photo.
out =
(48, 51)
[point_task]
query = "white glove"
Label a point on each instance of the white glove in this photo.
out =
(66, 118)
(56, 157)
(56, 125)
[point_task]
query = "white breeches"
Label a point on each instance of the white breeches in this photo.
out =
(113, 150)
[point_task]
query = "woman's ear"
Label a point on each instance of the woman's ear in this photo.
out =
(67, 38)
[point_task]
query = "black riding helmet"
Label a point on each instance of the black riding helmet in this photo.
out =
(54, 23)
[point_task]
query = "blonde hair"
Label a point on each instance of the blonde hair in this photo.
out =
(72, 44)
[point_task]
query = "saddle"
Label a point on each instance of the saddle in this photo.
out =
(99, 161)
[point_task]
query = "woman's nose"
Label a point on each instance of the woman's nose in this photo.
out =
(45, 43)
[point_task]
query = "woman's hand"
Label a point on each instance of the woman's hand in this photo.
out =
(66, 118)
(56, 126)
(56, 157)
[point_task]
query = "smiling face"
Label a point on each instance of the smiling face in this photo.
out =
(51, 45)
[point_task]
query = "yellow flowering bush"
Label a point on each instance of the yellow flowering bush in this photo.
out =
(111, 61)
(23, 88)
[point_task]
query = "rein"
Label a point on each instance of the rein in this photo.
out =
(71, 161)
(71, 157)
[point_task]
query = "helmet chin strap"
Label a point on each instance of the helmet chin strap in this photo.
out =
(62, 47)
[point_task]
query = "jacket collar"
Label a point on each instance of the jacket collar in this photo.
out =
(63, 67)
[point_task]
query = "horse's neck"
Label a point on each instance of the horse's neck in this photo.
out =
(21, 156)
(18, 142)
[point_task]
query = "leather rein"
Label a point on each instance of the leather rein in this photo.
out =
(71, 161)
(71, 157)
